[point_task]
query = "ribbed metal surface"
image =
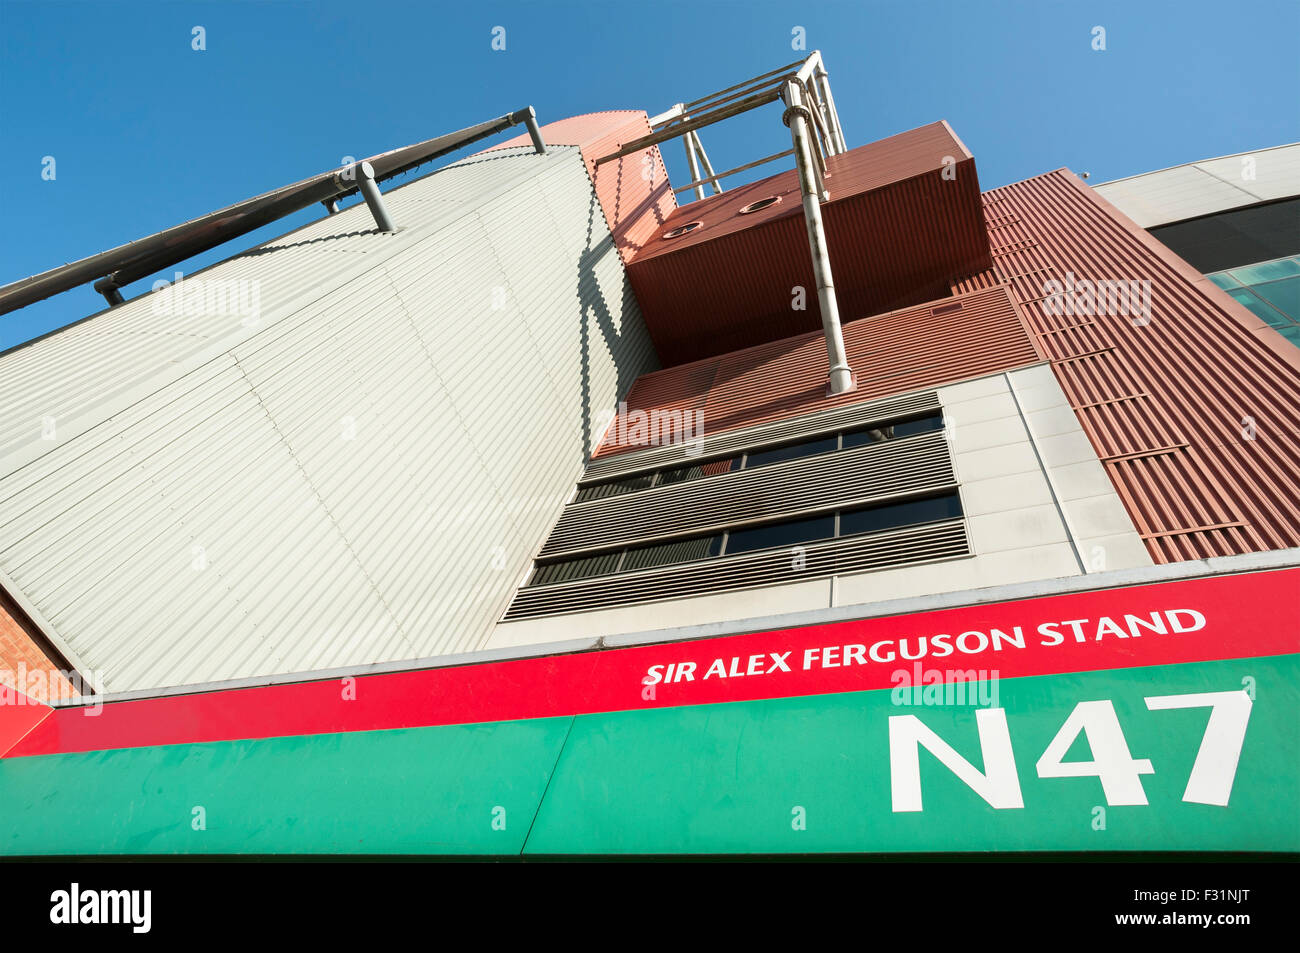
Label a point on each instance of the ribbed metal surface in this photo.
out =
(634, 191)
(827, 481)
(333, 486)
(897, 228)
(106, 363)
(1204, 187)
(1196, 411)
(934, 541)
(890, 354)
(779, 431)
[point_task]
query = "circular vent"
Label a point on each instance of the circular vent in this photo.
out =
(760, 204)
(681, 230)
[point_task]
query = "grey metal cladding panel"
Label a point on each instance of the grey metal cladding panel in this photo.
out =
(367, 475)
(188, 573)
(80, 375)
(857, 475)
(934, 541)
(732, 441)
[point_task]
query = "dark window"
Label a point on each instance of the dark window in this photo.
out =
(1235, 237)
(698, 470)
(579, 568)
(873, 519)
(642, 481)
(673, 551)
(789, 533)
(791, 451)
(905, 428)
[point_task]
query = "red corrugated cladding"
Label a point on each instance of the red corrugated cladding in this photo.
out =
(633, 191)
(898, 229)
(1196, 411)
(890, 354)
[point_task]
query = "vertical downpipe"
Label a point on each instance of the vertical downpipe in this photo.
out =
(841, 375)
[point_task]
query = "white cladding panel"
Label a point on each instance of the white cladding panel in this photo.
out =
(362, 474)
(1211, 185)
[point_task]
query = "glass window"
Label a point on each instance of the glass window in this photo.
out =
(873, 519)
(580, 568)
(1257, 305)
(1267, 271)
(1283, 295)
(697, 471)
(791, 451)
(905, 428)
(598, 491)
(1224, 280)
(789, 533)
(673, 551)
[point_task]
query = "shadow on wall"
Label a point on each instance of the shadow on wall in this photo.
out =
(627, 340)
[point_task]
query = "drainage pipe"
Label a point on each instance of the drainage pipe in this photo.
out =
(796, 117)
(364, 173)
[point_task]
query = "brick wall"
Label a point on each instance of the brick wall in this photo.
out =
(21, 654)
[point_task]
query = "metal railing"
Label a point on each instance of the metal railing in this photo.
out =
(684, 120)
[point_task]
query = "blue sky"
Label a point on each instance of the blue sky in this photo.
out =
(147, 132)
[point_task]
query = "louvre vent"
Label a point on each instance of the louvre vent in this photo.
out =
(933, 541)
(866, 474)
(724, 444)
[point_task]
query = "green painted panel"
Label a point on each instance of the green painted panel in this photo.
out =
(730, 778)
(419, 790)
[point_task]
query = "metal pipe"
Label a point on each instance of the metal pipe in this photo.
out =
(146, 256)
(530, 120)
(364, 174)
(810, 66)
(840, 375)
(698, 122)
(709, 174)
(740, 168)
(770, 74)
(694, 166)
(112, 294)
(824, 83)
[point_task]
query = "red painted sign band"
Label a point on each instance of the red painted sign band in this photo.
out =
(1198, 620)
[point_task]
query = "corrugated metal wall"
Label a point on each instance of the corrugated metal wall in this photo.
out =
(634, 191)
(362, 476)
(903, 218)
(936, 343)
(1195, 410)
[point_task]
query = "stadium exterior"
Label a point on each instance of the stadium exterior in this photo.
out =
(528, 509)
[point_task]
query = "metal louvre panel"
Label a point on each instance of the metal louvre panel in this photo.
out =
(934, 541)
(724, 444)
(826, 481)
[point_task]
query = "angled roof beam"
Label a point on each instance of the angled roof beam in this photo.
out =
(120, 266)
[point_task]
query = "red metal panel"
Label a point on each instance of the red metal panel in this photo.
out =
(1194, 408)
(890, 354)
(633, 191)
(902, 223)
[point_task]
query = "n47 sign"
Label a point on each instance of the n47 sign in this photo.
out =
(1120, 774)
